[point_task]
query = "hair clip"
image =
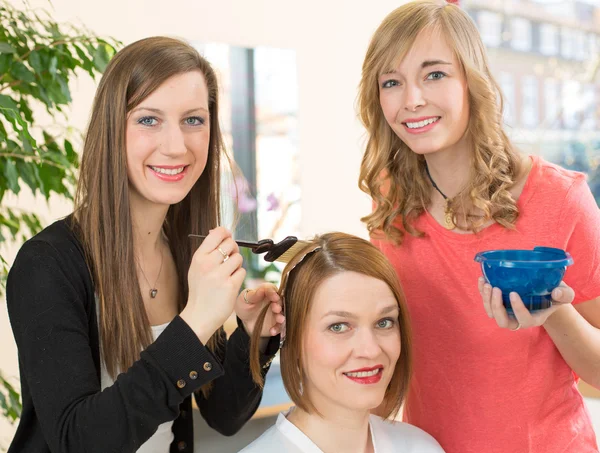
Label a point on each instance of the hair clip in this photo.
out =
(283, 285)
(283, 251)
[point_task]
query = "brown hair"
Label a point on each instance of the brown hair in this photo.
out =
(338, 252)
(391, 173)
(102, 214)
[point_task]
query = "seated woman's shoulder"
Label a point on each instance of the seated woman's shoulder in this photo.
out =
(271, 441)
(395, 436)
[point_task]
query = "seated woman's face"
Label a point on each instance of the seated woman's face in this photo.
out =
(351, 343)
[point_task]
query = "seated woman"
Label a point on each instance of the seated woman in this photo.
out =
(345, 349)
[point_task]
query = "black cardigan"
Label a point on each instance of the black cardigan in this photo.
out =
(51, 305)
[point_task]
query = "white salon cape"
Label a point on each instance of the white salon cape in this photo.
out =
(388, 437)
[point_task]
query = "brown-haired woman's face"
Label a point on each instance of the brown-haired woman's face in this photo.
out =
(351, 343)
(425, 99)
(167, 137)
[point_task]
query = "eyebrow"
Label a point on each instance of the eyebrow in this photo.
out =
(425, 64)
(347, 314)
(428, 63)
(160, 112)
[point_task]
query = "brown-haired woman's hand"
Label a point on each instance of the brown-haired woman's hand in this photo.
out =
(215, 278)
(250, 303)
(523, 318)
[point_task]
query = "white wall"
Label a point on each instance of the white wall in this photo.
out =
(330, 38)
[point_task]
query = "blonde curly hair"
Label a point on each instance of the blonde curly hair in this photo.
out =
(391, 173)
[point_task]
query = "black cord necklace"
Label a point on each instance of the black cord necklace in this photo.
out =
(434, 184)
(449, 214)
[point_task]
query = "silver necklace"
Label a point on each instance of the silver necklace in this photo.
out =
(153, 288)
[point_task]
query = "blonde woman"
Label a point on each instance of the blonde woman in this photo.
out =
(346, 348)
(447, 183)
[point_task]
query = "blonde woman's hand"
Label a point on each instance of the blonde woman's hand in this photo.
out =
(523, 319)
(249, 304)
(215, 277)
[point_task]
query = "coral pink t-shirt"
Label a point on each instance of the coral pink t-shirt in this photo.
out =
(479, 388)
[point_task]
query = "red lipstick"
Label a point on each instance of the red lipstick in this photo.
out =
(371, 378)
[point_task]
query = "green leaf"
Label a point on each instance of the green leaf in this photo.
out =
(12, 175)
(36, 62)
(6, 48)
(52, 179)
(27, 171)
(72, 156)
(8, 104)
(5, 61)
(53, 65)
(27, 141)
(64, 89)
(101, 58)
(24, 108)
(3, 404)
(22, 73)
(86, 62)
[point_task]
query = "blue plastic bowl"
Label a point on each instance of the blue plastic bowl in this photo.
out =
(533, 274)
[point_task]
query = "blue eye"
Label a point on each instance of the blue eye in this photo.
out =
(340, 327)
(389, 84)
(436, 75)
(194, 121)
(387, 323)
(148, 121)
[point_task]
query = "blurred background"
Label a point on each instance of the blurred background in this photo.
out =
(288, 75)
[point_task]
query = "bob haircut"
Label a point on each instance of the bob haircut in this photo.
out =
(324, 257)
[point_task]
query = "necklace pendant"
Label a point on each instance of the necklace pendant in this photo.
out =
(449, 218)
(449, 222)
(153, 293)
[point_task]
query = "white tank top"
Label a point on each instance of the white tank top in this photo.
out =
(160, 442)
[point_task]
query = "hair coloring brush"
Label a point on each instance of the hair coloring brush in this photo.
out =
(283, 251)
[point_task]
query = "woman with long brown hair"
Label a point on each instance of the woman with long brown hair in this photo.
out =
(116, 313)
(447, 183)
(346, 348)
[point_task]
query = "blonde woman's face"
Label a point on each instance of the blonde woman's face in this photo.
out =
(351, 343)
(167, 139)
(425, 99)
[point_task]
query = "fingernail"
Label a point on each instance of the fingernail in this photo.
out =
(557, 293)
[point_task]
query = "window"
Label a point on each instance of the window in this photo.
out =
(520, 34)
(530, 96)
(549, 39)
(507, 84)
(571, 101)
(589, 108)
(581, 45)
(490, 27)
(258, 114)
(552, 103)
(567, 43)
(277, 157)
(592, 45)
